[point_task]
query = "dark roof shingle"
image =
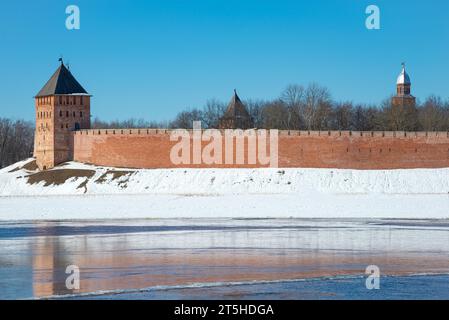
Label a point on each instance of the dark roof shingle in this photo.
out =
(236, 108)
(61, 82)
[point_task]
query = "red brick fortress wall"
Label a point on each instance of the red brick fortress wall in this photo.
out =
(364, 150)
(150, 148)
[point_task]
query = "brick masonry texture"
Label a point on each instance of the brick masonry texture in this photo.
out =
(56, 118)
(150, 148)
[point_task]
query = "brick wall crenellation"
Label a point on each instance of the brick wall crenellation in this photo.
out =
(332, 133)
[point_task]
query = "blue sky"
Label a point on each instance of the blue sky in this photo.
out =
(151, 59)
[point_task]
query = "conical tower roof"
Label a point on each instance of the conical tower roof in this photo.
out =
(236, 108)
(61, 82)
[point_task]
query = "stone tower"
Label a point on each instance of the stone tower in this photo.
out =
(403, 98)
(236, 115)
(62, 106)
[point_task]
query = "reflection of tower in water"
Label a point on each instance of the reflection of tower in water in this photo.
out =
(57, 248)
(43, 262)
(49, 264)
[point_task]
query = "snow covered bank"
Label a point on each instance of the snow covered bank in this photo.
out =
(78, 191)
(232, 206)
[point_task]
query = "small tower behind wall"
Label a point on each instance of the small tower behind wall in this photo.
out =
(62, 106)
(403, 97)
(236, 115)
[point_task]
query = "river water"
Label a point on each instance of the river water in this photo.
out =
(225, 259)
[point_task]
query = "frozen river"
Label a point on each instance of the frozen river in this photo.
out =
(225, 258)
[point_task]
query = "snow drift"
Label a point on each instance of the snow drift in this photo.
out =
(75, 190)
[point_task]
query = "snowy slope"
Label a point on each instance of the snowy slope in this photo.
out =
(227, 181)
(77, 190)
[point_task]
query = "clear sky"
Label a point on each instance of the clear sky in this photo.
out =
(152, 59)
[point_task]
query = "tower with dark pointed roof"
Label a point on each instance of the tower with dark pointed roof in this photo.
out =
(403, 95)
(236, 115)
(62, 106)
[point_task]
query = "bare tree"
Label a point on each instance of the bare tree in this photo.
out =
(275, 115)
(431, 115)
(212, 113)
(129, 123)
(16, 141)
(317, 103)
(293, 96)
(185, 119)
(399, 117)
(342, 116)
